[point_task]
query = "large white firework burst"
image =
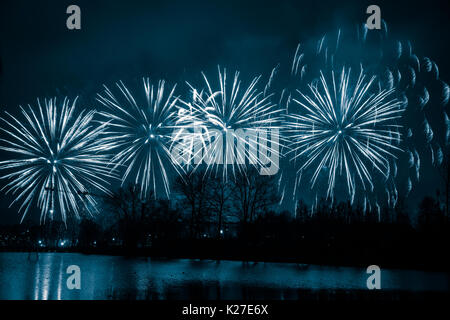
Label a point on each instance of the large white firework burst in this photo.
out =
(141, 129)
(59, 159)
(345, 128)
(237, 126)
(417, 83)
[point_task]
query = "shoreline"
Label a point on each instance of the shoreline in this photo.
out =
(146, 253)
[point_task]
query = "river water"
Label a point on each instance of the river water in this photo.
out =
(27, 276)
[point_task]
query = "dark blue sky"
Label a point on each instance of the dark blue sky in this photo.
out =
(174, 40)
(169, 39)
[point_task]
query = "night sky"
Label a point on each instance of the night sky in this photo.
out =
(175, 40)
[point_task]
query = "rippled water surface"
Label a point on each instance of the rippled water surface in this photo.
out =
(27, 276)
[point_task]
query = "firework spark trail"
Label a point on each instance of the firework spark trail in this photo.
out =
(345, 129)
(245, 114)
(59, 157)
(142, 134)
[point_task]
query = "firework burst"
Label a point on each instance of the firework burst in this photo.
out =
(59, 158)
(346, 129)
(237, 125)
(141, 130)
(416, 82)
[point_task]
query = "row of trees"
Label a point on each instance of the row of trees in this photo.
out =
(238, 220)
(208, 206)
(241, 207)
(242, 199)
(203, 205)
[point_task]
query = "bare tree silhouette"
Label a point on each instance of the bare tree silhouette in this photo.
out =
(219, 196)
(253, 194)
(131, 212)
(193, 186)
